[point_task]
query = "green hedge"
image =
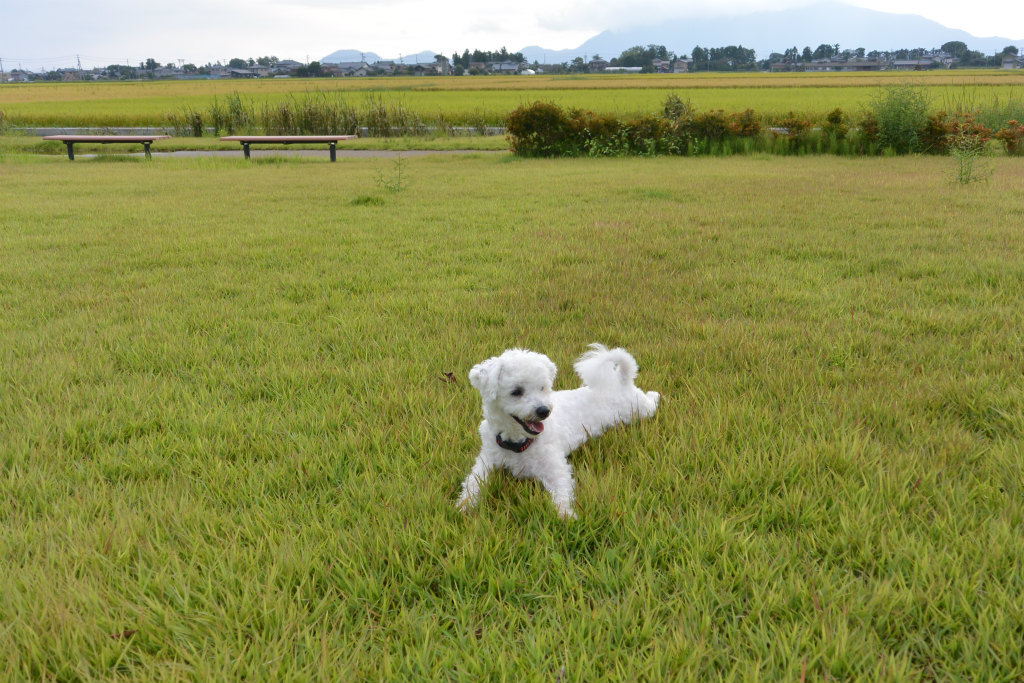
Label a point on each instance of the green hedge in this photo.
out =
(896, 122)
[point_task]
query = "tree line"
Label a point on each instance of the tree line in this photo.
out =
(644, 57)
(467, 62)
(956, 49)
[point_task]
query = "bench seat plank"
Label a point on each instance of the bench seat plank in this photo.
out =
(287, 139)
(246, 140)
(107, 138)
(70, 140)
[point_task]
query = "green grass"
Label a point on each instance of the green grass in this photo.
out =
(226, 453)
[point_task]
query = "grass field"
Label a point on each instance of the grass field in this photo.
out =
(226, 452)
(489, 99)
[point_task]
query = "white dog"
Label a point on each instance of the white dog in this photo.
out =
(530, 430)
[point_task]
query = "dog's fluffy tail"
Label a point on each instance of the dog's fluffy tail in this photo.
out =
(602, 368)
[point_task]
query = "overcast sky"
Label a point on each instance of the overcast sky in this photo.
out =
(46, 34)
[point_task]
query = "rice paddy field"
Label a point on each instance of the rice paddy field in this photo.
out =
(230, 445)
(474, 100)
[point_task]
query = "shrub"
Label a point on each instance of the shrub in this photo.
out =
(541, 129)
(796, 129)
(935, 133)
(868, 129)
(744, 124)
(835, 125)
(595, 134)
(901, 112)
(709, 126)
(648, 135)
(941, 134)
(1012, 137)
(898, 123)
(968, 151)
(675, 109)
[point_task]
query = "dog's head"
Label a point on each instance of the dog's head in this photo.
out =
(516, 384)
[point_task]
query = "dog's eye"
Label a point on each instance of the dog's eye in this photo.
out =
(517, 392)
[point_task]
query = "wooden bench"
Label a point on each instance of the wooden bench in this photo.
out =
(70, 140)
(331, 140)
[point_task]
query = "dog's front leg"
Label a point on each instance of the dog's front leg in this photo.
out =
(471, 487)
(560, 485)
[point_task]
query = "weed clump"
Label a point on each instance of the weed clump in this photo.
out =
(899, 114)
(315, 114)
(1012, 137)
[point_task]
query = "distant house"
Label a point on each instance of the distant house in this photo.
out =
(597, 65)
(285, 67)
(504, 67)
(864, 65)
(786, 66)
(843, 65)
(346, 68)
(661, 66)
(439, 67)
(682, 66)
(823, 65)
(167, 72)
(917, 64)
(387, 68)
(1012, 62)
(71, 74)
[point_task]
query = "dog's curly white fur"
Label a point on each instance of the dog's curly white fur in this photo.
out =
(530, 430)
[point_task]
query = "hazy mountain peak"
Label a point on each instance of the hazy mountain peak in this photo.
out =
(764, 31)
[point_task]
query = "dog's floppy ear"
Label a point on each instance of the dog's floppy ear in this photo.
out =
(484, 376)
(552, 370)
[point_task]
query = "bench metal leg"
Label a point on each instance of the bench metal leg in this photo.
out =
(146, 145)
(71, 149)
(334, 151)
(245, 148)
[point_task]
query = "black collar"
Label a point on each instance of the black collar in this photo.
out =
(514, 446)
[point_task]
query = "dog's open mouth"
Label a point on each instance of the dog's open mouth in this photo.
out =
(532, 427)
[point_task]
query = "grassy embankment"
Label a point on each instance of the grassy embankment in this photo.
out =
(226, 453)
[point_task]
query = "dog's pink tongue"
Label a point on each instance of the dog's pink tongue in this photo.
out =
(536, 426)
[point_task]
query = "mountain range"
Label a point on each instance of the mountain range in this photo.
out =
(764, 32)
(340, 56)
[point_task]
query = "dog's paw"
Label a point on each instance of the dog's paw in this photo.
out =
(566, 512)
(465, 504)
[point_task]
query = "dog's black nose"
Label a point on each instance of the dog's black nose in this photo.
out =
(543, 412)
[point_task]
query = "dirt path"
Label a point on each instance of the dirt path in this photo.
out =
(342, 153)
